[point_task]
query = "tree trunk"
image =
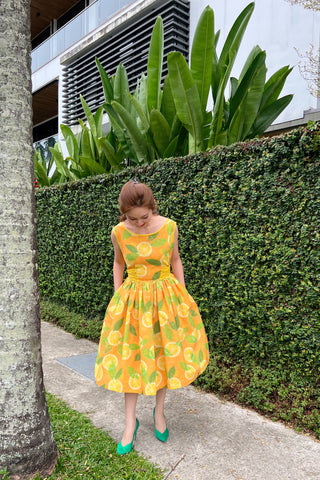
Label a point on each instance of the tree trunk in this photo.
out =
(27, 445)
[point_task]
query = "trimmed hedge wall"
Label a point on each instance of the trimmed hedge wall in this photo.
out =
(248, 217)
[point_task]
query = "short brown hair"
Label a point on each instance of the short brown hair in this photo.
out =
(136, 194)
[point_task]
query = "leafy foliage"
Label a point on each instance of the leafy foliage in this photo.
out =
(171, 119)
(249, 221)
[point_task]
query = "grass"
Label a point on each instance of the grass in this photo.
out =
(88, 453)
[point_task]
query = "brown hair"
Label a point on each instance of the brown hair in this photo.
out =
(135, 194)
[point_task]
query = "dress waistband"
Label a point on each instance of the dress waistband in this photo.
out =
(135, 273)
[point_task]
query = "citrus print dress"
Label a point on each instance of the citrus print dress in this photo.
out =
(152, 336)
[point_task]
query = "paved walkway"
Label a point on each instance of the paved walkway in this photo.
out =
(217, 440)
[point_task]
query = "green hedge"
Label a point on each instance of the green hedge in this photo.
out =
(248, 217)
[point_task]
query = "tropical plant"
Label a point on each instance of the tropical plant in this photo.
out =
(253, 104)
(170, 118)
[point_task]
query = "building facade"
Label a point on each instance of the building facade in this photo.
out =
(67, 35)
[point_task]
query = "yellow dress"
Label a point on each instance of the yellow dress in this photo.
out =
(152, 336)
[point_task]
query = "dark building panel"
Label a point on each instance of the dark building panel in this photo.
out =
(129, 44)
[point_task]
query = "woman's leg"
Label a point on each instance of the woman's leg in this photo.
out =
(130, 400)
(159, 410)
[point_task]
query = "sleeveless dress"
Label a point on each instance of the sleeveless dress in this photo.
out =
(152, 336)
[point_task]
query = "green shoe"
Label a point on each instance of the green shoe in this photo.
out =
(122, 450)
(163, 437)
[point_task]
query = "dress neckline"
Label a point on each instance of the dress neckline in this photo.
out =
(145, 234)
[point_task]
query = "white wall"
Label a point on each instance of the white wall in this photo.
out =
(277, 27)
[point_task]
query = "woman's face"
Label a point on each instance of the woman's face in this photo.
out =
(139, 216)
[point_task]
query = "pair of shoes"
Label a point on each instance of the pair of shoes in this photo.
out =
(122, 450)
(163, 437)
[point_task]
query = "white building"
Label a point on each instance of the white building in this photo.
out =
(68, 34)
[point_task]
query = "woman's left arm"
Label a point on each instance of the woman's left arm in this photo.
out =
(176, 263)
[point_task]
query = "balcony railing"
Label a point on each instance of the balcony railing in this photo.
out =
(73, 31)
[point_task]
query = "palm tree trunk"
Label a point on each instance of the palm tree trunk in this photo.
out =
(27, 445)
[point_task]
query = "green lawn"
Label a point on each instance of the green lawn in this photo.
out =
(88, 453)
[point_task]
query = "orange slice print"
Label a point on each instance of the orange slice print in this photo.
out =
(151, 389)
(147, 320)
(183, 310)
(172, 349)
(144, 249)
(114, 337)
(135, 382)
(161, 363)
(98, 373)
(110, 361)
(188, 354)
(174, 383)
(115, 385)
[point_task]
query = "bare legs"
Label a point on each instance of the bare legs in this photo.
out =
(130, 400)
(159, 410)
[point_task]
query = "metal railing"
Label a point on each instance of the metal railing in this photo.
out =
(93, 16)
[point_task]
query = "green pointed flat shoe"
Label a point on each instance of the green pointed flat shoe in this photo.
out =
(163, 437)
(122, 450)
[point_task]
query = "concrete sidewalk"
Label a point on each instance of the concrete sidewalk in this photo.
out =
(217, 440)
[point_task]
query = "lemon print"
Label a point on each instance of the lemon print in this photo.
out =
(183, 310)
(110, 361)
(144, 249)
(116, 309)
(115, 385)
(141, 270)
(135, 382)
(128, 318)
(172, 349)
(164, 260)
(151, 389)
(181, 334)
(190, 373)
(161, 363)
(157, 340)
(163, 317)
(203, 365)
(114, 337)
(147, 320)
(174, 383)
(143, 366)
(158, 379)
(196, 333)
(188, 354)
(135, 314)
(98, 373)
(126, 352)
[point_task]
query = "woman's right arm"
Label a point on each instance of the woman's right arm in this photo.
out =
(118, 263)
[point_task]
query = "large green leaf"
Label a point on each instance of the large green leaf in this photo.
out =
(186, 96)
(121, 87)
(106, 83)
(113, 157)
(143, 123)
(202, 54)
(91, 167)
(224, 67)
(274, 86)
(154, 68)
(160, 129)
(89, 116)
(41, 175)
(71, 142)
(136, 137)
(168, 109)
(120, 132)
(247, 98)
(269, 114)
(61, 164)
